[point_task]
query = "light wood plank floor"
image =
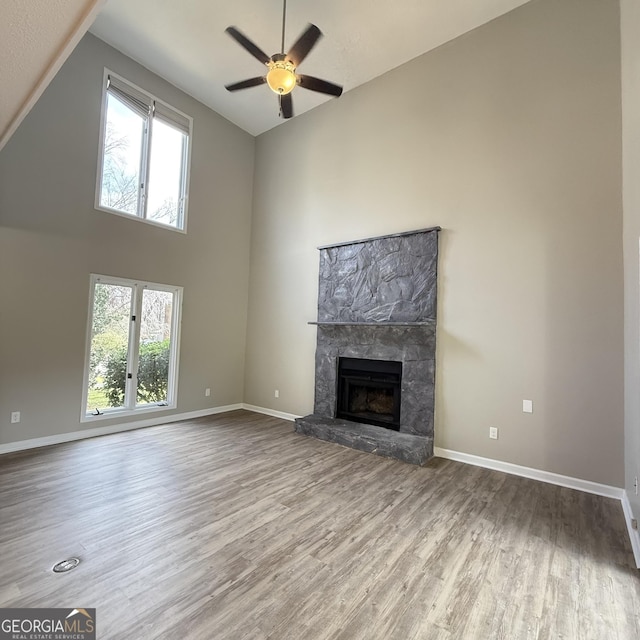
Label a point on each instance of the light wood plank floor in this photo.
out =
(233, 527)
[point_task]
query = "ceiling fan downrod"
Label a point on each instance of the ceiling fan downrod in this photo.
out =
(284, 17)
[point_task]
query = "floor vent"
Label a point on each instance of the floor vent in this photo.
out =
(66, 565)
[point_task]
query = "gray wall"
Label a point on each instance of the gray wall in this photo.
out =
(510, 139)
(52, 238)
(631, 194)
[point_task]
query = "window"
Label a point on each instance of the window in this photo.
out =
(132, 347)
(144, 156)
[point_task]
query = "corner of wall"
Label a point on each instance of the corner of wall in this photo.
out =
(634, 535)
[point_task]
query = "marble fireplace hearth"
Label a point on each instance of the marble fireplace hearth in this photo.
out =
(377, 302)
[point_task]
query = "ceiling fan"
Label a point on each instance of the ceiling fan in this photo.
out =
(282, 77)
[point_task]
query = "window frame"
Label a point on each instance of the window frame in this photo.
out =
(141, 214)
(138, 287)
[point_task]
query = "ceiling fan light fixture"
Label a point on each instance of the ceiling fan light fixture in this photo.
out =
(281, 77)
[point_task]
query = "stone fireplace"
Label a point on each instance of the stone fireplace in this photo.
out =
(375, 352)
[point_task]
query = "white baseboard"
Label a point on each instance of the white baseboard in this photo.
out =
(535, 474)
(270, 412)
(587, 486)
(497, 465)
(34, 443)
(634, 535)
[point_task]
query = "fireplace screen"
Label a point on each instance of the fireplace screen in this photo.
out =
(369, 391)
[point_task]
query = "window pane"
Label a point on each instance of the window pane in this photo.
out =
(155, 346)
(109, 345)
(165, 174)
(122, 157)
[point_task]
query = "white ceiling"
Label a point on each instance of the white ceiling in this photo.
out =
(185, 43)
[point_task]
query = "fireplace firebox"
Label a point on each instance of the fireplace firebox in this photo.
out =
(369, 391)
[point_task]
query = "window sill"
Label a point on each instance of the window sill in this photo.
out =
(131, 216)
(125, 413)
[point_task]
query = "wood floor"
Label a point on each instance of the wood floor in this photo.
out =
(233, 527)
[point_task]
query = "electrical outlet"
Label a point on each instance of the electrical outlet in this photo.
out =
(527, 406)
(276, 394)
(15, 417)
(493, 433)
(207, 392)
(634, 524)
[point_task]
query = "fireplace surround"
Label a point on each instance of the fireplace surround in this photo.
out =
(377, 304)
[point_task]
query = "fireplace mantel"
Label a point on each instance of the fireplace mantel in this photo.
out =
(401, 234)
(424, 323)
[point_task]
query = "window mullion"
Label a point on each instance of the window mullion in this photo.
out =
(176, 312)
(144, 165)
(183, 182)
(134, 351)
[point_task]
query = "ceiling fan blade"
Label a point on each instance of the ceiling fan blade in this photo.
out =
(304, 44)
(321, 86)
(245, 84)
(286, 105)
(252, 48)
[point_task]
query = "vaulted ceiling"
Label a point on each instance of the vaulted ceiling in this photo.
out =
(185, 43)
(36, 37)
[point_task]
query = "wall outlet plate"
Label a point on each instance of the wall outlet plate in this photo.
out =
(15, 417)
(207, 392)
(527, 406)
(493, 433)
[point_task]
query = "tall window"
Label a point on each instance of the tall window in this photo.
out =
(132, 346)
(144, 156)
